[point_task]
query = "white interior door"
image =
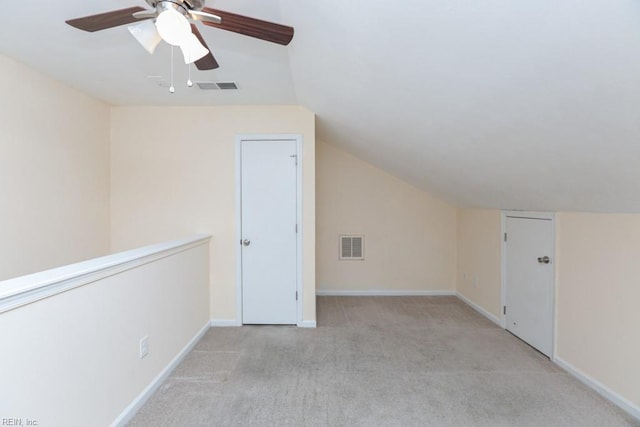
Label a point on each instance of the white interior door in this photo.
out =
(529, 281)
(268, 230)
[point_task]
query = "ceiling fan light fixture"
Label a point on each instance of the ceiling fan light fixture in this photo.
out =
(173, 27)
(146, 34)
(192, 49)
(171, 19)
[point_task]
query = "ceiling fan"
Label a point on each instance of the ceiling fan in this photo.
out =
(171, 21)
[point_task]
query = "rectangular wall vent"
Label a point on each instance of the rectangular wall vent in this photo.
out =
(352, 247)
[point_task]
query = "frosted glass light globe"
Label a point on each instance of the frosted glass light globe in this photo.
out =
(193, 49)
(147, 35)
(173, 27)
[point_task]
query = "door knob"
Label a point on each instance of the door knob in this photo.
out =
(544, 260)
(246, 242)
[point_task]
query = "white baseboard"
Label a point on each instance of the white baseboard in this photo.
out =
(131, 410)
(380, 293)
(223, 323)
(307, 324)
(624, 404)
(479, 309)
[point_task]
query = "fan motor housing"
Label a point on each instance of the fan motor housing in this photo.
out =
(186, 4)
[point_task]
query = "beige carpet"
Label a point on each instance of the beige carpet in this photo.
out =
(374, 361)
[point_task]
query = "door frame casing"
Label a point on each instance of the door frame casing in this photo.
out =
(238, 190)
(551, 216)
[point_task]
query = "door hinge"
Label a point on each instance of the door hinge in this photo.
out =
(505, 237)
(504, 310)
(295, 156)
(296, 295)
(296, 228)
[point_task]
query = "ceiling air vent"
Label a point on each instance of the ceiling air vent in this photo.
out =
(227, 85)
(217, 85)
(207, 85)
(352, 247)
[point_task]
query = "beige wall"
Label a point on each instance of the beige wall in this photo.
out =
(54, 173)
(597, 289)
(410, 237)
(598, 296)
(479, 277)
(173, 174)
(73, 359)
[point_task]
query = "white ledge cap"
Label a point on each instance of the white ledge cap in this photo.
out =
(32, 287)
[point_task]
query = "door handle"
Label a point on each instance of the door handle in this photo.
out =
(544, 260)
(246, 242)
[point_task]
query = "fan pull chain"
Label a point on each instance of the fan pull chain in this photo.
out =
(172, 89)
(189, 82)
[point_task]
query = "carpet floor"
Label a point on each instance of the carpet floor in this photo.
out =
(374, 361)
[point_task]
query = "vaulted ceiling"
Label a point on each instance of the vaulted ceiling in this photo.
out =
(503, 104)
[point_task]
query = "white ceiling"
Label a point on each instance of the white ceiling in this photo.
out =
(503, 104)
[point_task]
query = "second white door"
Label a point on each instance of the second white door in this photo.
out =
(529, 281)
(269, 231)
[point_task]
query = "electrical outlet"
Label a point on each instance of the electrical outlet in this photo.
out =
(144, 346)
(464, 275)
(475, 281)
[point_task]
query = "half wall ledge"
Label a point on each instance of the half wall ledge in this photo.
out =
(24, 290)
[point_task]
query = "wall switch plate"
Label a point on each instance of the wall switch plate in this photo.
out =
(144, 346)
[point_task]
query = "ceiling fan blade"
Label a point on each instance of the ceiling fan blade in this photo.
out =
(263, 30)
(102, 21)
(207, 62)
